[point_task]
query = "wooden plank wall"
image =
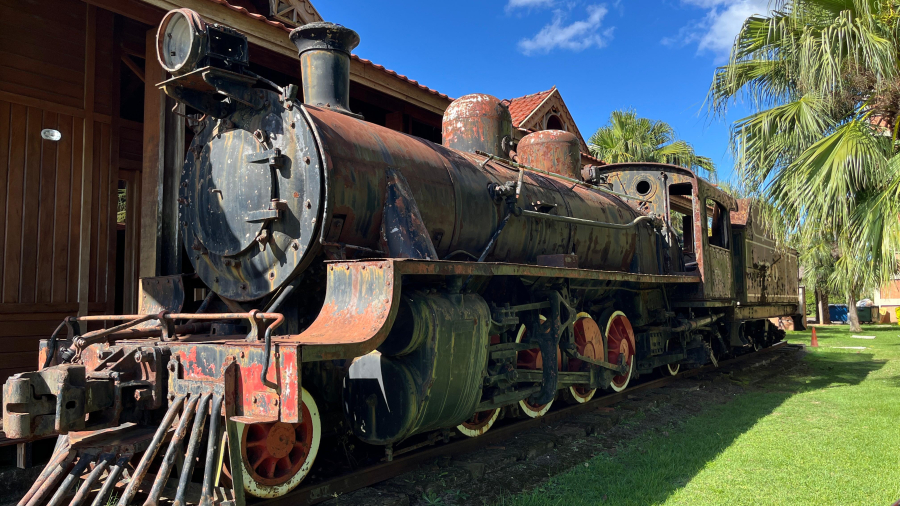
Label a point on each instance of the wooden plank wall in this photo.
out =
(42, 85)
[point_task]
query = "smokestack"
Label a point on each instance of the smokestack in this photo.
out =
(325, 63)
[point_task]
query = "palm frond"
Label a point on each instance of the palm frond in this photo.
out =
(629, 138)
(824, 180)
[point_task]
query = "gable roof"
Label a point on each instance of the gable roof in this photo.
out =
(522, 108)
(528, 111)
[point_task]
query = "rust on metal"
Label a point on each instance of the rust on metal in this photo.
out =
(554, 151)
(361, 301)
(478, 122)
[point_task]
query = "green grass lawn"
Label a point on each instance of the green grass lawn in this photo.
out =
(829, 434)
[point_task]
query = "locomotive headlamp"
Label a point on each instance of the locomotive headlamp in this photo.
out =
(179, 40)
(184, 42)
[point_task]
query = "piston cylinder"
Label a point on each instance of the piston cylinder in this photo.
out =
(426, 375)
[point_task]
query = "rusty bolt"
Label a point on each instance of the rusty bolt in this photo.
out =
(296, 195)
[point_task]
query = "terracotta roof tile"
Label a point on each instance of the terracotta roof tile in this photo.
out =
(520, 108)
(260, 17)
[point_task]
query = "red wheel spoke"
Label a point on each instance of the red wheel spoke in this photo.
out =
(270, 468)
(255, 465)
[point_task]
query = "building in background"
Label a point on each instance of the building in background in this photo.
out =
(545, 110)
(887, 299)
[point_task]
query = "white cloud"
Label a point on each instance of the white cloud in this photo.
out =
(576, 36)
(715, 33)
(513, 5)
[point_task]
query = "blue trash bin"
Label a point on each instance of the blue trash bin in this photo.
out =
(837, 312)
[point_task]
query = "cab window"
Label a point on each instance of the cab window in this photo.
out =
(717, 224)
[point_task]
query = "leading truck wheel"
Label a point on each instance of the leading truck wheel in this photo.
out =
(619, 343)
(276, 456)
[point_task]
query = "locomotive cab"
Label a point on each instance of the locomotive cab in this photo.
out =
(696, 215)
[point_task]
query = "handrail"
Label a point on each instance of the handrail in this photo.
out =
(589, 223)
(180, 316)
(164, 327)
(521, 167)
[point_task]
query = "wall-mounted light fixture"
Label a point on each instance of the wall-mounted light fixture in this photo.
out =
(51, 134)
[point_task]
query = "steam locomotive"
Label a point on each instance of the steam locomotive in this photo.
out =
(369, 283)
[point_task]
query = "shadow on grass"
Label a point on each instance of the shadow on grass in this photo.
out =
(648, 469)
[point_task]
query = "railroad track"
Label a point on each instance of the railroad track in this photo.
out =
(322, 491)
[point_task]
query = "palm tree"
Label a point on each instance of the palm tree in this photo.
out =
(628, 138)
(821, 146)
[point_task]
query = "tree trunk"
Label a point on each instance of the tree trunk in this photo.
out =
(822, 306)
(852, 316)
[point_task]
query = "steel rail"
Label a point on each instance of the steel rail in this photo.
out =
(319, 492)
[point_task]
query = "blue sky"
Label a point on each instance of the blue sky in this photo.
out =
(655, 56)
